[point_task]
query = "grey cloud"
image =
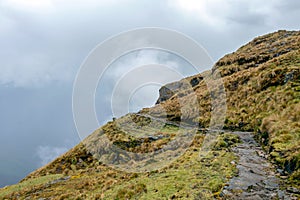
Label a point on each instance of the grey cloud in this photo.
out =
(59, 41)
(47, 153)
(288, 5)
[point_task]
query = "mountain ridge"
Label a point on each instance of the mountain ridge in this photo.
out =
(261, 80)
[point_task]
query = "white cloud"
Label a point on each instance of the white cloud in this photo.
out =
(34, 6)
(222, 13)
(125, 75)
(208, 11)
(42, 6)
(136, 59)
(47, 154)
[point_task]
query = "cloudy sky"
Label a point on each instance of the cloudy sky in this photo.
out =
(44, 42)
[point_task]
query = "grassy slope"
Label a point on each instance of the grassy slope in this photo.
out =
(262, 89)
(262, 81)
(189, 177)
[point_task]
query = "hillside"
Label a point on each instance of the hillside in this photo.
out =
(262, 85)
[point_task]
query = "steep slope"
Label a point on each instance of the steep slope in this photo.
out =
(262, 85)
(262, 81)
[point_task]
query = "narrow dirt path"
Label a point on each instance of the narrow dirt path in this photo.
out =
(256, 177)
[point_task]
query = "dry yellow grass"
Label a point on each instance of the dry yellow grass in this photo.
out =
(262, 82)
(262, 87)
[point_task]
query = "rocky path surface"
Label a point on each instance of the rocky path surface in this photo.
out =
(256, 176)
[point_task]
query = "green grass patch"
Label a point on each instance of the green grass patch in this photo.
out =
(28, 184)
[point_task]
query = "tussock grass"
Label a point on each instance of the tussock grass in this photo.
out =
(262, 86)
(191, 176)
(262, 82)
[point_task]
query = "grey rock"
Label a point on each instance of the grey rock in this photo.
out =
(256, 178)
